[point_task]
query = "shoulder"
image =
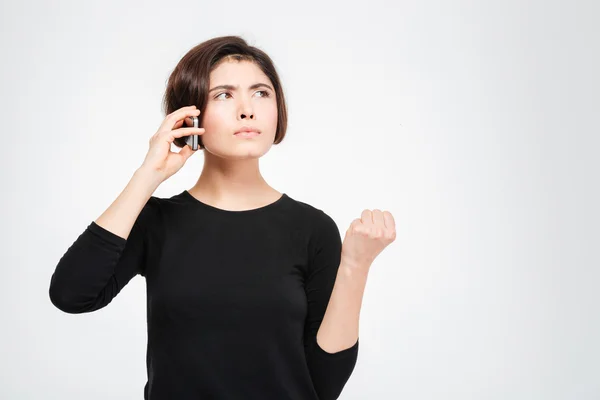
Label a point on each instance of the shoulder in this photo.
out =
(157, 205)
(153, 205)
(324, 242)
(311, 212)
(320, 224)
(149, 212)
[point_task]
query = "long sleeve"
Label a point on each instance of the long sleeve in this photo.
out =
(329, 371)
(97, 266)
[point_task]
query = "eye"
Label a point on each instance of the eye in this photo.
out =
(265, 94)
(217, 96)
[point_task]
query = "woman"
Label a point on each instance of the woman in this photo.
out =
(239, 276)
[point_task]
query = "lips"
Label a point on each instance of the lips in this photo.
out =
(247, 134)
(247, 129)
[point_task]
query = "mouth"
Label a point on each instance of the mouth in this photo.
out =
(247, 128)
(247, 134)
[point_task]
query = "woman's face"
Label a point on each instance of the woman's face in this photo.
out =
(229, 109)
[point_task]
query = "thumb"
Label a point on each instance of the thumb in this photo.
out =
(186, 152)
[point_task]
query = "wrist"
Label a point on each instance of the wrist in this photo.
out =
(146, 177)
(351, 270)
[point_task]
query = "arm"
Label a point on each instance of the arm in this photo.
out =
(340, 327)
(119, 218)
(365, 240)
(108, 254)
(332, 365)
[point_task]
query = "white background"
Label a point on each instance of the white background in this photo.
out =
(474, 123)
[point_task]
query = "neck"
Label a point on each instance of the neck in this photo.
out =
(228, 181)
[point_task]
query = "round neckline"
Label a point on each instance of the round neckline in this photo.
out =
(274, 204)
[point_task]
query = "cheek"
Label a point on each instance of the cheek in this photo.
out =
(271, 113)
(213, 119)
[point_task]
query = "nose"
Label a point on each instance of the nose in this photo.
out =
(246, 110)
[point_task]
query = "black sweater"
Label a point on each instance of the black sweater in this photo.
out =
(234, 298)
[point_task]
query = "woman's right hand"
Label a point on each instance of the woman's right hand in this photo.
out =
(160, 159)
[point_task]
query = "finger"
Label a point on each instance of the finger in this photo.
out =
(388, 218)
(178, 124)
(180, 114)
(186, 152)
(367, 217)
(170, 135)
(188, 121)
(187, 131)
(354, 225)
(378, 218)
(185, 122)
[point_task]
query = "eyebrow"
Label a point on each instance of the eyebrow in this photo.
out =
(231, 87)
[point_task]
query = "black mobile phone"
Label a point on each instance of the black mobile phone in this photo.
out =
(192, 140)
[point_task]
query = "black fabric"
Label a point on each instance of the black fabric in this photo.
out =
(234, 298)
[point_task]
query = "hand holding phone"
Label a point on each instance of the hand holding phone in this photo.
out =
(160, 159)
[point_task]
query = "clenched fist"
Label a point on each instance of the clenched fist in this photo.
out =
(366, 238)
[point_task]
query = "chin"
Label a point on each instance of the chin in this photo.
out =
(238, 152)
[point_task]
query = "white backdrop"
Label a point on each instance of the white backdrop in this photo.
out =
(474, 123)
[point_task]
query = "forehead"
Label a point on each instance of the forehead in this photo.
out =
(234, 72)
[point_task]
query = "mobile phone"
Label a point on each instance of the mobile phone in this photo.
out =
(192, 140)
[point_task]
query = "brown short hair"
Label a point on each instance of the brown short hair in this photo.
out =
(188, 83)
